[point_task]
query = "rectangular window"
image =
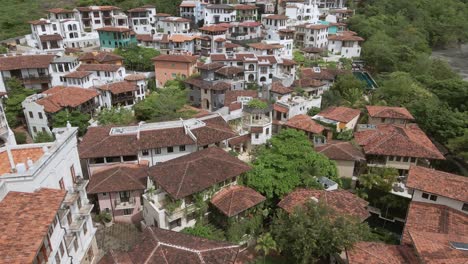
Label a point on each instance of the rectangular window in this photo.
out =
(465, 207)
(54, 27)
(31, 114)
(124, 196)
(85, 229)
(425, 195)
(62, 185)
(40, 115)
(104, 194)
(170, 149)
(72, 172)
(75, 242)
(413, 160)
(405, 159)
(157, 151)
(398, 159)
(257, 135)
(268, 131)
(182, 148)
(128, 211)
(145, 152)
(175, 223)
(433, 198)
(43, 129)
(34, 129)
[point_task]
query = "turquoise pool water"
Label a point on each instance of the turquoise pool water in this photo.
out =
(365, 77)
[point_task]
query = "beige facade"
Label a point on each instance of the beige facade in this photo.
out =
(345, 168)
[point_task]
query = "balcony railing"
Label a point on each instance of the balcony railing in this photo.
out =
(35, 79)
(80, 184)
(85, 209)
(77, 223)
(120, 205)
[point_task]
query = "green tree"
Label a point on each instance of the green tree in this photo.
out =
(286, 162)
(265, 244)
(16, 95)
(163, 105)
(205, 231)
(315, 231)
(43, 137)
(3, 50)
(379, 178)
(20, 137)
(75, 117)
(347, 90)
(115, 116)
(137, 58)
(459, 145)
(313, 111)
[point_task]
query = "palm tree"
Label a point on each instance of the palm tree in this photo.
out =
(265, 243)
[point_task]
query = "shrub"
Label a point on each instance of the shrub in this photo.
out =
(20, 137)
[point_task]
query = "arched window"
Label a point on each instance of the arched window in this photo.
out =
(69, 27)
(74, 27)
(251, 68)
(311, 38)
(75, 35)
(251, 78)
(263, 79)
(71, 35)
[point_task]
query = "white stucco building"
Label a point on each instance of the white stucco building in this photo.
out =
(345, 44)
(143, 19)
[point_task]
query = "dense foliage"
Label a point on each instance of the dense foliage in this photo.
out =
(286, 162)
(137, 58)
(399, 37)
(16, 95)
(205, 231)
(315, 232)
(162, 105)
(42, 137)
(76, 119)
(115, 116)
(346, 91)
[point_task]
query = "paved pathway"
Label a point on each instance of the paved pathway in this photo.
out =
(117, 237)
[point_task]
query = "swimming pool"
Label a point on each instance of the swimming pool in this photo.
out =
(367, 78)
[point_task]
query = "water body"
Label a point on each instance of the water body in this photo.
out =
(457, 58)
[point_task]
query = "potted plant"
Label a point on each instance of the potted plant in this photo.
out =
(105, 218)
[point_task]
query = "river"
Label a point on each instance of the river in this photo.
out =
(457, 58)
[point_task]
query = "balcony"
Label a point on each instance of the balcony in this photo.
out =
(85, 209)
(238, 34)
(80, 184)
(77, 223)
(120, 205)
(36, 79)
(71, 198)
(69, 239)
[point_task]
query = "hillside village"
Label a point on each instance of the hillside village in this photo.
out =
(231, 132)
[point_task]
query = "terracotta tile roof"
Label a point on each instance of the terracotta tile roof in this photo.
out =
(195, 172)
(235, 106)
(164, 246)
(341, 150)
(99, 67)
(397, 140)
(324, 74)
(345, 36)
(287, 62)
(230, 70)
(135, 77)
(305, 123)
(200, 83)
(213, 28)
(39, 22)
(230, 45)
(98, 8)
(280, 108)
(434, 218)
(307, 82)
(389, 112)
(117, 178)
(286, 30)
(77, 74)
(59, 11)
(250, 24)
(264, 46)
(20, 155)
(245, 7)
(270, 59)
(277, 17)
(235, 199)
(219, 6)
(438, 182)
(240, 139)
(25, 62)
(119, 87)
(25, 219)
(231, 96)
(176, 58)
(176, 19)
(380, 253)
(279, 88)
(435, 248)
(220, 40)
(50, 37)
(340, 113)
(59, 97)
(162, 14)
(343, 202)
(100, 56)
(114, 29)
(98, 142)
(180, 38)
(187, 4)
(211, 66)
(143, 8)
(144, 37)
(256, 129)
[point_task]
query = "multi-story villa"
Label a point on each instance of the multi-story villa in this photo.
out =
(177, 185)
(33, 71)
(168, 67)
(388, 115)
(302, 12)
(116, 37)
(46, 212)
(95, 17)
(193, 10)
(343, 118)
(39, 109)
(311, 36)
(277, 33)
(345, 44)
(142, 19)
(152, 142)
(173, 25)
(219, 13)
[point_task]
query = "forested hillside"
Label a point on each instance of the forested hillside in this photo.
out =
(400, 36)
(14, 14)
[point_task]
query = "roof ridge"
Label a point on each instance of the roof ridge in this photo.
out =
(183, 177)
(230, 202)
(105, 179)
